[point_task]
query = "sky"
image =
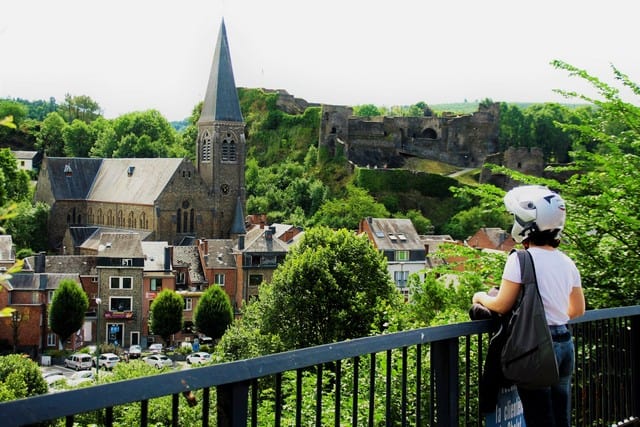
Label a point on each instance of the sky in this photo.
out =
(136, 55)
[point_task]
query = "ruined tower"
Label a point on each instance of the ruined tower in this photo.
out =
(220, 147)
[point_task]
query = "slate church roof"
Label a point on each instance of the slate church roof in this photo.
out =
(131, 180)
(221, 99)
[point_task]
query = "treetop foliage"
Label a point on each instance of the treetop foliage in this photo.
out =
(67, 310)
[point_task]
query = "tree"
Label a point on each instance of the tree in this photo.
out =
(20, 378)
(214, 313)
(603, 223)
(79, 108)
(66, 313)
(49, 139)
(166, 314)
(333, 286)
(78, 139)
(14, 182)
(366, 110)
(347, 213)
(28, 226)
(142, 134)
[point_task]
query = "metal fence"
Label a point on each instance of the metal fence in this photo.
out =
(422, 377)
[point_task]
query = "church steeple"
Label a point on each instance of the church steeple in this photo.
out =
(221, 146)
(221, 99)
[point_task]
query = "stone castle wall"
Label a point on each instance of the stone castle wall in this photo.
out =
(461, 140)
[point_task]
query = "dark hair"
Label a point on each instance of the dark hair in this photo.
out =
(546, 237)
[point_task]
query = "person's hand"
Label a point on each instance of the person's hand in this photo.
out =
(477, 296)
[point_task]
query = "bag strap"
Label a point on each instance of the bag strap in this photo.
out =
(528, 271)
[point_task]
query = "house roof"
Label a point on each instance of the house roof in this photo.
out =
(257, 240)
(221, 99)
(154, 255)
(26, 155)
(394, 234)
(120, 245)
(88, 238)
(41, 281)
(83, 265)
(220, 254)
(188, 257)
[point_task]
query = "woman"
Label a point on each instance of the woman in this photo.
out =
(539, 217)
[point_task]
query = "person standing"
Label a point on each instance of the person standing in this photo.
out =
(539, 218)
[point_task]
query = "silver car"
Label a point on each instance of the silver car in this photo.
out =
(158, 360)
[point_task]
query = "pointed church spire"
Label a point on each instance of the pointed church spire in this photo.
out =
(221, 100)
(238, 227)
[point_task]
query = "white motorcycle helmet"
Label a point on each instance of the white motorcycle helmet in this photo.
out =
(534, 207)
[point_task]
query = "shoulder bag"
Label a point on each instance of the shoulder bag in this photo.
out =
(528, 359)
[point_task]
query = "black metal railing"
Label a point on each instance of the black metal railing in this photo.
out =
(423, 377)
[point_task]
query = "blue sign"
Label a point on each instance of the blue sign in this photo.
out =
(509, 411)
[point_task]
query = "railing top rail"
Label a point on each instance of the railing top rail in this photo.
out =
(58, 405)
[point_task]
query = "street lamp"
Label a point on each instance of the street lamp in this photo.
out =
(98, 302)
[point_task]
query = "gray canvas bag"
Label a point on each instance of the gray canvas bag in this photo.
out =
(528, 359)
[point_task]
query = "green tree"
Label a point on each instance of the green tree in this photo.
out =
(14, 182)
(78, 139)
(143, 134)
(603, 224)
(66, 313)
(366, 110)
(20, 378)
(465, 223)
(28, 226)
(81, 108)
(214, 313)
(49, 139)
(422, 225)
(166, 314)
(333, 286)
(347, 213)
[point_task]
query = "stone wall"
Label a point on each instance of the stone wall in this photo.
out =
(461, 140)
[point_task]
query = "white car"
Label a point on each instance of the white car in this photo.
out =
(80, 377)
(78, 361)
(135, 351)
(198, 357)
(155, 348)
(53, 377)
(158, 361)
(108, 360)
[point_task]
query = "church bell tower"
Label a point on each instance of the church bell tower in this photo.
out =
(221, 146)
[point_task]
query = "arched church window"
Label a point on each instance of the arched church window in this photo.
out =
(191, 220)
(229, 149)
(205, 151)
(179, 221)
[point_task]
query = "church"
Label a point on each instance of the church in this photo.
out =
(169, 199)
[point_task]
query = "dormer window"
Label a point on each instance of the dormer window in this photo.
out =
(68, 172)
(130, 170)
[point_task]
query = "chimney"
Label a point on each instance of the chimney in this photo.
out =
(167, 258)
(41, 262)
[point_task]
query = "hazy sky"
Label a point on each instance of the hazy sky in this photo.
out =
(137, 55)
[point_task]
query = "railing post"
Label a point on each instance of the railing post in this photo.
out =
(444, 362)
(635, 365)
(233, 404)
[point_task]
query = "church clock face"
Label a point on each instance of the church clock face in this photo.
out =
(224, 188)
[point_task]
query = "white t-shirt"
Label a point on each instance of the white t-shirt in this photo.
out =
(557, 275)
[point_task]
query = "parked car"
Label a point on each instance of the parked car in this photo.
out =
(53, 377)
(198, 357)
(78, 361)
(135, 351)
(158, 361)
(108, 360)
(155, 348)
(81, 377)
